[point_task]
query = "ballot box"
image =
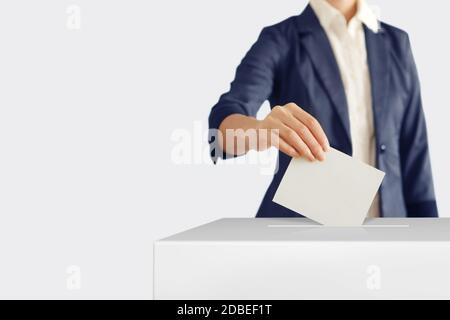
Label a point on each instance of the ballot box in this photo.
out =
(299, 259)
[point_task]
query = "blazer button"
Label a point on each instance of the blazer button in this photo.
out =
(383, 148)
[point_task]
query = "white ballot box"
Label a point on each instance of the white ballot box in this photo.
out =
(299, 259)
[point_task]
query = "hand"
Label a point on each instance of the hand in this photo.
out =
(300, 134)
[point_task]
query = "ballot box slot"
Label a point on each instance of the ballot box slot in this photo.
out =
(327, 227)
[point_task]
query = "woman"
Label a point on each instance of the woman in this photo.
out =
(334, 75)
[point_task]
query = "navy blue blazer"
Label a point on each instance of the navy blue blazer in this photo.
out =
(293, 61)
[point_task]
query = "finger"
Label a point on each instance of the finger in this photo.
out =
(309, 139)
(293, 139)
(303, 132)
(278, 142)
(313, 125)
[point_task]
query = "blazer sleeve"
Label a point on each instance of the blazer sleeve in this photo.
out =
(414, 150)
(252, 85)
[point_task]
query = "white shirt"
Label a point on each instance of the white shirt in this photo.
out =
(349, 46)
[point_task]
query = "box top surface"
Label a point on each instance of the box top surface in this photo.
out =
(301, 230)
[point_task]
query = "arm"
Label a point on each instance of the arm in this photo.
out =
(232, 120)
(415, 159)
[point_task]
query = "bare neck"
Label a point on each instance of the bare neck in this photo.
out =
(347, 7)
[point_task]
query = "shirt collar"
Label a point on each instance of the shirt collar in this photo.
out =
(326, 14)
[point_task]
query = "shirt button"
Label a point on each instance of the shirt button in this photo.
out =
(383, 148)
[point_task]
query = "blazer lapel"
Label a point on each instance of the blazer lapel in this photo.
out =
(315, 41)
(378, 59)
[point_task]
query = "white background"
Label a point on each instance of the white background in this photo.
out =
(87, 116)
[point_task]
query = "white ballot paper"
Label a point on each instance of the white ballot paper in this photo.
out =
(336, 192)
